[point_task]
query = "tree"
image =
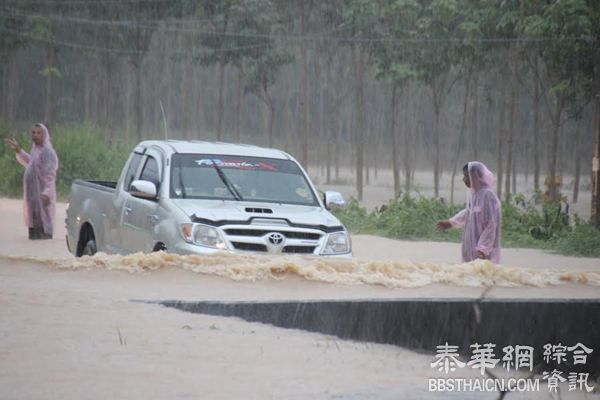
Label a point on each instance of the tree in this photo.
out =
(434, 54)
(568, 52)
(392, 65)
(261, 57)
(360, 16)
(476, 23)
(10, 42)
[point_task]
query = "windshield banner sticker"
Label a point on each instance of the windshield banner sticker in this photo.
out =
(236, 163)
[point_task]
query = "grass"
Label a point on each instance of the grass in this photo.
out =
(526, 223)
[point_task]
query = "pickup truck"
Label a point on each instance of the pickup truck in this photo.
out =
(192, 197)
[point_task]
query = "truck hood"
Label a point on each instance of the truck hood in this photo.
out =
(236, 211)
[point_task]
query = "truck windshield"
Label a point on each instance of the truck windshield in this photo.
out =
(224, 177)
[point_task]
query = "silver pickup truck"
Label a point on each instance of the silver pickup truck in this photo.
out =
(199, 198)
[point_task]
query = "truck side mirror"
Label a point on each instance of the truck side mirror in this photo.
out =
(143, 189)
(333, 200)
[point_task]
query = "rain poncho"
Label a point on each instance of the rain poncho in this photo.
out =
(39, 179)
(481, 218)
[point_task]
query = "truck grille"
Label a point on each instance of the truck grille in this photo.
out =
(262, 232)
(275, 241)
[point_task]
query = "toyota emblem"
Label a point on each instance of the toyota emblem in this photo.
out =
(275, 238)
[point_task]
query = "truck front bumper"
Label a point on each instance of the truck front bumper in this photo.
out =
(184, 248)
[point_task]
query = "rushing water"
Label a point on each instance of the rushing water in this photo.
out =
(391, 274)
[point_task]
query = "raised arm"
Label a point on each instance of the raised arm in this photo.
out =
(22, 156)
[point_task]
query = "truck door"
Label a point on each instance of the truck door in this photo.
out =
(116, 233)
(141, 215)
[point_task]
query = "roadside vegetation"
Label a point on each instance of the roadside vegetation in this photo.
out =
(529, 223)
(83, 153)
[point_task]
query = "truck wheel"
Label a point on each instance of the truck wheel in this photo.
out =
(87, 242)
(159, 247)
(90, 248)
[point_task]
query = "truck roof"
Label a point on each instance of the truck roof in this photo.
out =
(201, 147)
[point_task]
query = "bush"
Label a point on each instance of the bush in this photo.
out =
(11, 183)
(582, 240)
(84, 154)
(403, 218)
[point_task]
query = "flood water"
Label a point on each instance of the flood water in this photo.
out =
(390, 274)
(70, 330)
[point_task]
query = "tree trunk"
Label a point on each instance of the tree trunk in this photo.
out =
(514, 173)
(3, 88)
(49, 106)
(271, 119)
(138, 100)
(553, 193)
(436, 144)
(87, 93)
(463, 126)
(221, 100)
(578, 157)
(410, 133)
(360, 119)
(186, 95)
(238, 104)
(500, 139)
(595, 211)
(201, 111)
(395, 171)
(511, 120)
(536, 127)
(305, 83)
(13, 89)
(475, 114)
(338, 142)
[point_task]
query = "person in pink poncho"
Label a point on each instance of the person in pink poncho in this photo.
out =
(39, 182)
(481, 219)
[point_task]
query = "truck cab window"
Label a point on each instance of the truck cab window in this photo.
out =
(133, 167)
(150, 172)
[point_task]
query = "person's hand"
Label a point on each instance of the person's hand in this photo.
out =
(481, 255)
(13, 144)
(441, 226)
(45, 200)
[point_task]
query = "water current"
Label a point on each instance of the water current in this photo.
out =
(391, 274)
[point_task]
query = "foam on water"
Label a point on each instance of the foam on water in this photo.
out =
(391, 274)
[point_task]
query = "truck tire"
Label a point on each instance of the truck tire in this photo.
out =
(87, 242)
(159, 247)
(90, 248)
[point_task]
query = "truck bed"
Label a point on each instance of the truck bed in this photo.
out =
(107, 186)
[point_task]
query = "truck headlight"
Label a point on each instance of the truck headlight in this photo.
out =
(337, 243)
(202, 235)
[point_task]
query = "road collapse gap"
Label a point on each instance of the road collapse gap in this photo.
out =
(423, 324)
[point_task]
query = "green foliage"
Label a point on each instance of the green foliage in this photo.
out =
(51, 72)
(403, 218)
(582, 240)
(525, 223)
(11, 183)
(82, 151)
(84, 154)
